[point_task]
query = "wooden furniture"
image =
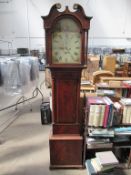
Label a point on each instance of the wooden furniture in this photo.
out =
(90, 88)
(101, 73)
(115, 84)
(66, 35)
(124, 70)
(127, 69)
(107, 79)
(109, 63)
(92, 66)
(119, 91)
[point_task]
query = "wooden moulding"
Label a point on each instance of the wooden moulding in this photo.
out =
(66, 151)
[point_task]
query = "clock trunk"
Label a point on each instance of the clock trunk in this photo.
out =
(66, 101)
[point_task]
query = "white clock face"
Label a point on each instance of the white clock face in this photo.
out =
(66, 42)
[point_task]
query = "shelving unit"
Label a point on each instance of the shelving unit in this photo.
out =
(113, 145)
(115, 84)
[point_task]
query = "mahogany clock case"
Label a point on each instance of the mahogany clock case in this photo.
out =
(66, 140)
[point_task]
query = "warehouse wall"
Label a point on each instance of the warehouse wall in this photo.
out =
(21, 23)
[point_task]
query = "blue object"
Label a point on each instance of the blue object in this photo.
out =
(122, 129)
(89, 167)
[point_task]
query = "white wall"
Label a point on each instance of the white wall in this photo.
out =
(21, 22)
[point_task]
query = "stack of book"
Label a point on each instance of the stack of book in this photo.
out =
(126, 101)
(98, 143)
(105, 92)
(123, 130)
(127, 83)
(86, 82)
(104, 161)
(126, 104)
(118, 114)
(100, 111)
(101, 132)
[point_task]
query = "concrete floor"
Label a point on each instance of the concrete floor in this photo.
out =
(24, 148)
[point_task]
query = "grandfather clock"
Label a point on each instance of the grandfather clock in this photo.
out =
(66, 35)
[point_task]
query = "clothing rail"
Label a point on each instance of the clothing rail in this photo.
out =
(34, 94)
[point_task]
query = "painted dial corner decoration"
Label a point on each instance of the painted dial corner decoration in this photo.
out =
(66, 42)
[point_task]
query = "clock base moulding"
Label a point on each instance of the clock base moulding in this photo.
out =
(66, 151)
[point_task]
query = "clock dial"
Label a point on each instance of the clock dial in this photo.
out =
(66, 42)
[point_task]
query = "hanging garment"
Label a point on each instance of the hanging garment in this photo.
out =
(1, 78)
(24, 69)
(12, 82)
(34, 72)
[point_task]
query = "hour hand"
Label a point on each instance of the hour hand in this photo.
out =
(68, 49)
(62, 48)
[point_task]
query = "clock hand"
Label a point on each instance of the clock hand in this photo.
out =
(68, 49)
(60, 58)
(61, 48)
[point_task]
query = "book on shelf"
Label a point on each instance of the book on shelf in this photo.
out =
(105, 92)
(102, 115)
(90, 140)
(104, 162)
(101, 132)
(96, 111)
(106, 158)
(126, 115)
(126, 110)
(93, 143)
(98, 115)
(122, 130)
(127, 83)
(99, 167)
(92, 169)
(103, 112)
(86, 82)
(100, 111)
(126, 93)
(125, 101)
(94, 100)
(91, 114)
(109, 112)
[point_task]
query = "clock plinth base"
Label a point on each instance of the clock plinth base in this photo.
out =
(66, 167)
(66, 151)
